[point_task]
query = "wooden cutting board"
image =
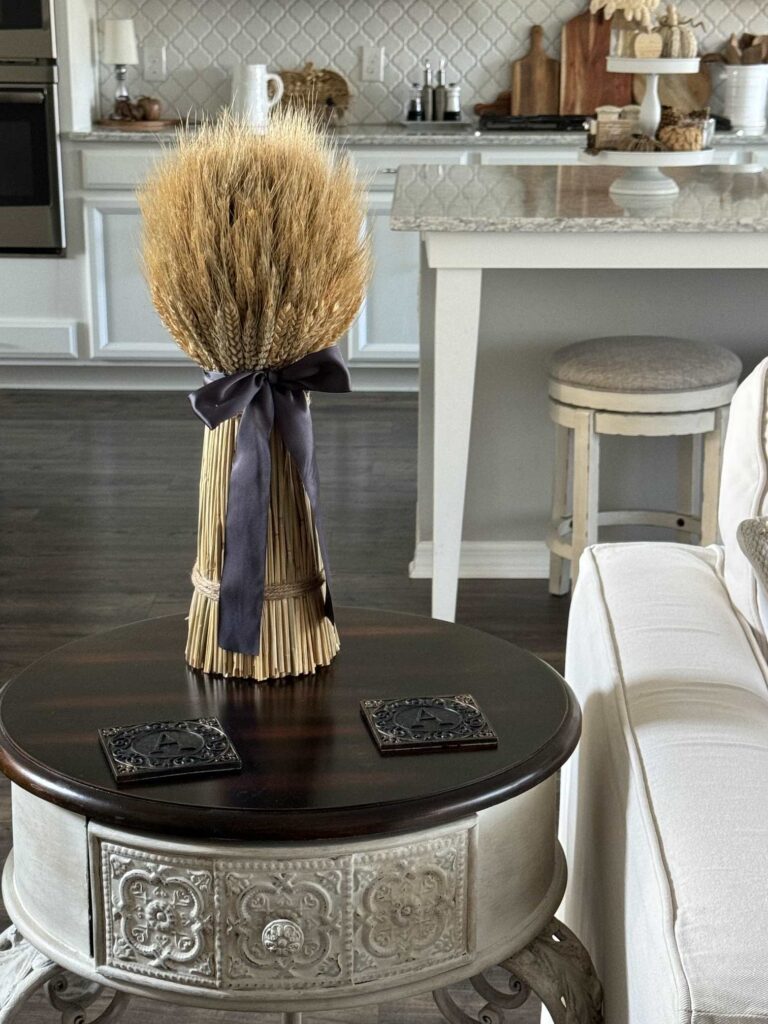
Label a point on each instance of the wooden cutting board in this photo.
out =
(683, 92)
(535, 80)
(584, 81)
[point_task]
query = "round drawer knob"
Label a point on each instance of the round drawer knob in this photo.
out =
(282, 938)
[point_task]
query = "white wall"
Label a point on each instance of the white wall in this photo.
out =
(477, 37)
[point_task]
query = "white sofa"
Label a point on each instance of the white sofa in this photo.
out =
(664, 812)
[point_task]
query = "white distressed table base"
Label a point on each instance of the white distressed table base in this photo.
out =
(24, 970)
(554, 965)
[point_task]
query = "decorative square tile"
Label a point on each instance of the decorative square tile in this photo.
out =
(410, 907)
(285, 923)
(158, 916)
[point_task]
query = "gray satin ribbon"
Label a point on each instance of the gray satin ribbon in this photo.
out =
(265, 400)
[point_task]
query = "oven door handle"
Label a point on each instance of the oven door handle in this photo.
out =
(19, 96)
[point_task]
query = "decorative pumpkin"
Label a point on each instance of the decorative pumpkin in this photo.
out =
(648, 45)
(678, 37)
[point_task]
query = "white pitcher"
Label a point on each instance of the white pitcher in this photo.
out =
(250, 93)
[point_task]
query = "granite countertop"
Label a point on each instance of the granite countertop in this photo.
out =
(398, 135)
(374, 135)
(572, 199)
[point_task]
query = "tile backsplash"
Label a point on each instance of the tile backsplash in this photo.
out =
(478, 38)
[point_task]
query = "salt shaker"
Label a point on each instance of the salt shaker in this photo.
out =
(415, 109)
(453, 102)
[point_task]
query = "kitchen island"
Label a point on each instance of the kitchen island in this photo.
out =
(526, 221)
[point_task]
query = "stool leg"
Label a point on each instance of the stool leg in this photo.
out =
(586, 478)
(690, 465)
(710, 485)
(560, 568)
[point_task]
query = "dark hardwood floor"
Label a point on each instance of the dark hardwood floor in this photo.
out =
(98, 506)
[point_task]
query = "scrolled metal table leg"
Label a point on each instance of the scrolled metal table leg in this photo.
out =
(72, 996)
(555, 966)
(498, 1001)
(559, 970)
(24, 969)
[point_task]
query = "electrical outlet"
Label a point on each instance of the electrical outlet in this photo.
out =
(154, 62)
(372, 64)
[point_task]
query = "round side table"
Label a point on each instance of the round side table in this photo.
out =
(324, 874)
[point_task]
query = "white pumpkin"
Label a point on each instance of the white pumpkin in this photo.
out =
(679, 39)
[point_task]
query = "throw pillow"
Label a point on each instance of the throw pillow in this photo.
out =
(752, 535)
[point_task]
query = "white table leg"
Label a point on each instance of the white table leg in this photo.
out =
(457, 324)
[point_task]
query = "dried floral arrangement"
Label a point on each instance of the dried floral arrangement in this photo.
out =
(321, 91)
(631, 10)
(257, 263)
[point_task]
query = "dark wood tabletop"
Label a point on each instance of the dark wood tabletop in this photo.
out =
(310, 768)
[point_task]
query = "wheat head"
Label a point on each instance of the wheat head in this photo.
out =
(253, 244)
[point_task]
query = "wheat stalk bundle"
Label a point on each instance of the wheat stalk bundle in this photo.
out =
(255, 259)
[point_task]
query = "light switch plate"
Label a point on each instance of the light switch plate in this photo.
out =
(154, 62)
(372, 64)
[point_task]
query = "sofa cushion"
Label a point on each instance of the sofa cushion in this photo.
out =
(744, 485)
(664, 812)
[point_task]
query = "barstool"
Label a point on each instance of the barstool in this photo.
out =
(635, 387)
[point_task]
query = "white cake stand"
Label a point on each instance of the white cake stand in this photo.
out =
(644, 176)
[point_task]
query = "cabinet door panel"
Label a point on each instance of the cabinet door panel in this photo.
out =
(388, 326)
(124, 322)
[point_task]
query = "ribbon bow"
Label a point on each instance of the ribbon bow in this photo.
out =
(265, 399)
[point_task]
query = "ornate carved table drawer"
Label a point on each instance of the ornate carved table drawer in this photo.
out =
(284, 921)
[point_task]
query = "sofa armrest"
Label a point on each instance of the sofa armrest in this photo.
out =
(672, 686)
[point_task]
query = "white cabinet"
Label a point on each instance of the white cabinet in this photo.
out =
(124, 324)
(90, 315)
(387, 330)
(388, 325)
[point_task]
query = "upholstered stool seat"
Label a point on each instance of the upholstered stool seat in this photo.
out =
(633, 386)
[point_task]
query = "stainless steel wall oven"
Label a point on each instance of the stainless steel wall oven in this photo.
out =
(31, 209)
(26, 30)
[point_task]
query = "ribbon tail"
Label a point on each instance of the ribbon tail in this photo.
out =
(294, 421)
(241, 598)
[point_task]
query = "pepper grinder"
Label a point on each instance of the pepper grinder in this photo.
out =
(428, 94)
(441, 93)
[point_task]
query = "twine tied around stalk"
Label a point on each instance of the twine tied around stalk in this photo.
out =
(265, 400)
(272, 591)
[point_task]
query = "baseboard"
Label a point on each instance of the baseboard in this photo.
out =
(165, 377)
(487, 560)
(384, 378)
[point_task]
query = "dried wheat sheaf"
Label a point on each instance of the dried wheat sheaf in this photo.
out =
(255, 256)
